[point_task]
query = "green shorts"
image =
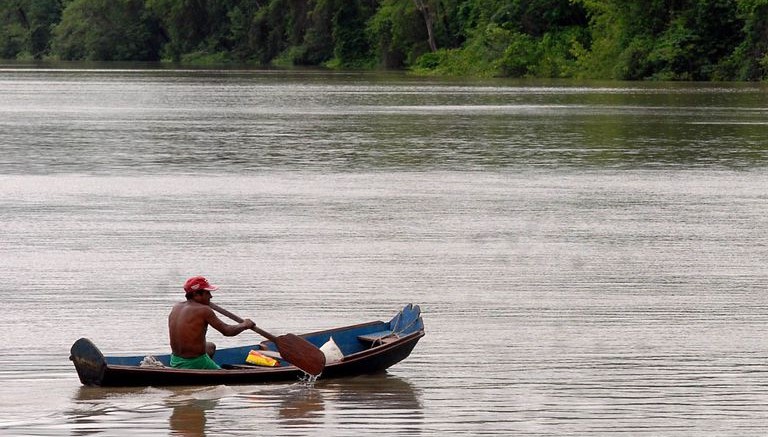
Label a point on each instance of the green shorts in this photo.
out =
(202, 362)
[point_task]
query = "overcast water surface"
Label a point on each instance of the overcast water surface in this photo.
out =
(590, 258)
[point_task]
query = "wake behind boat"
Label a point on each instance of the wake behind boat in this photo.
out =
(365, 348)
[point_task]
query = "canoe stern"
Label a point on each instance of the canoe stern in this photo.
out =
(89, 362)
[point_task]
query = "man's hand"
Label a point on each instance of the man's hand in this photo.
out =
(249, 324)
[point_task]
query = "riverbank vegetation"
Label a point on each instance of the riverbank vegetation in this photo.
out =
(602, 39)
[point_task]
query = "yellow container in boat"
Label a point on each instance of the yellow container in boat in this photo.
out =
(261, 360)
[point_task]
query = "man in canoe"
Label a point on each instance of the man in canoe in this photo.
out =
(188, 323)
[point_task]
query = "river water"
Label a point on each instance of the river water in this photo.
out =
(590, 258)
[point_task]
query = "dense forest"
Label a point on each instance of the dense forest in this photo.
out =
(606, 39)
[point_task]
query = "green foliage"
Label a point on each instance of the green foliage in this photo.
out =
(684, 40)
(396, 35)
(318, 39)
(13, 40)
(750, 59)
(351, 47)
(184, 24)
(696, 40)
(107, 30)
(453, 62)
(509, 41)
(25, 27)
(273, 29)
(609, 39)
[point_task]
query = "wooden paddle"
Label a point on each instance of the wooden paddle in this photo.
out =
(292, 348)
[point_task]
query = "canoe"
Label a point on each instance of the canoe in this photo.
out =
(367, 348)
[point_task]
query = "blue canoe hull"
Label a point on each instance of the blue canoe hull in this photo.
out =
(368, 348)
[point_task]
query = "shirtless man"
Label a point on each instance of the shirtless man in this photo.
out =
(188, 323)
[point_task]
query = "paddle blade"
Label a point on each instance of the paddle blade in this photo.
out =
(301, 353)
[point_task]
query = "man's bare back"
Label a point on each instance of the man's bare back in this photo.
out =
(187, 326)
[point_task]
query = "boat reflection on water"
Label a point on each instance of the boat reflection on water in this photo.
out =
(355, 403)
(372, 391)
(302, 406)
(145, 409)
(361, 398)
(188, 419)
(389, 402)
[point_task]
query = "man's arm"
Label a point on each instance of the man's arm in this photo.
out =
(225, 329)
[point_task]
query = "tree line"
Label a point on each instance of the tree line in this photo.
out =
(605, 39)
